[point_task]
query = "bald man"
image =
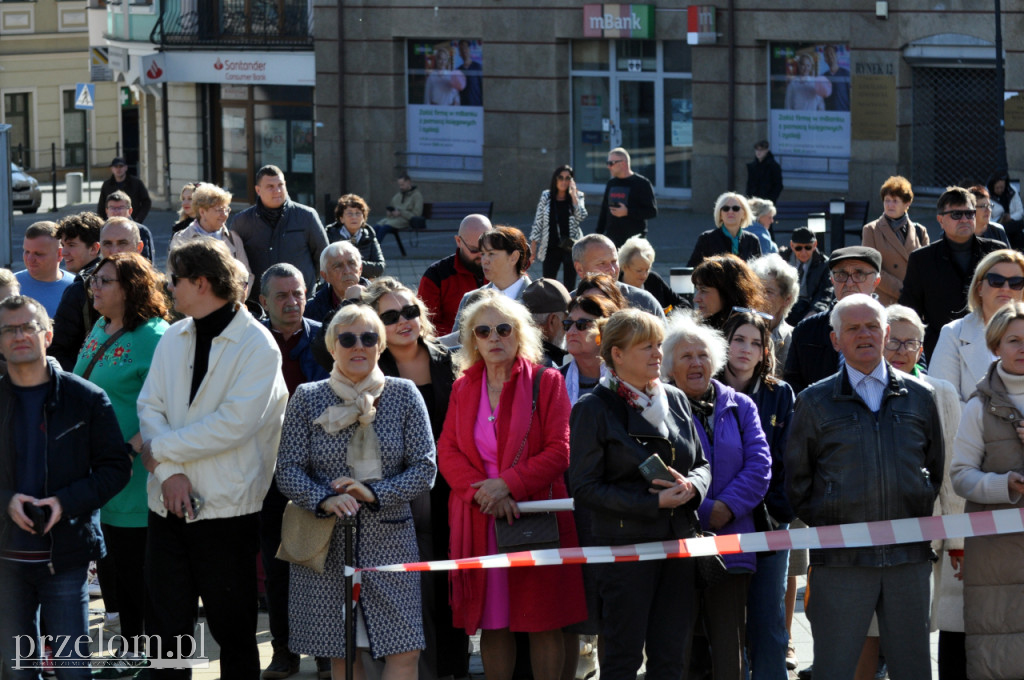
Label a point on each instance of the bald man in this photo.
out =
(447, 280)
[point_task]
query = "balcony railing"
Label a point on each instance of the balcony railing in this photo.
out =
(265, 24)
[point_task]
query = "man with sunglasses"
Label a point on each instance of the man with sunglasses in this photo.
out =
(210, 415)
(939, 274)
(811, 264)
(446, 281)
(813, 356)
(548, 302)
(628, 201)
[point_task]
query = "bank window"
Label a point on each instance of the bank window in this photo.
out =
(74, 131)
(636, 55)
(18, 114)
(590, 55)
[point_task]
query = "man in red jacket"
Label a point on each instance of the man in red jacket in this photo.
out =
(447, 280)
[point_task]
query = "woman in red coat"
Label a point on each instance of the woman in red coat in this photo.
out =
(489, 419)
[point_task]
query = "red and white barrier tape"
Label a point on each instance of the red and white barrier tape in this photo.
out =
(859, 535)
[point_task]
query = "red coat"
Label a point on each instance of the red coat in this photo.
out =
(542, 598)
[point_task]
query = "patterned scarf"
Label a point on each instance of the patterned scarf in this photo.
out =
(652, 403)
(357, 405)
(703, 408)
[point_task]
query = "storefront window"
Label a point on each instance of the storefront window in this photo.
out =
(590, 55)
(74, 131)
(636, 56)
(590, 115)
(678, 113)
(18, 113)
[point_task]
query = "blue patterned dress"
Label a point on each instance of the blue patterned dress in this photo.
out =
(308, 460)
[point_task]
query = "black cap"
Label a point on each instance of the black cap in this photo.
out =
(118, 160)
(546, 296)
(862, 253)
(803, 235)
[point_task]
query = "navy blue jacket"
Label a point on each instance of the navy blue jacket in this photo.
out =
(303, 352)
(87, 464)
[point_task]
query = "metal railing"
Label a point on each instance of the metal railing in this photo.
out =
(266, 24)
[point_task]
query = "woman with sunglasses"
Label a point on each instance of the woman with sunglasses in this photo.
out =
(895, 236)
(722, 282)
(585, 367)
(729, 428)
(732, 216)
(748, 370)
(358, 443)
(129, 296)
(557, 226)
(961, 355)
(212, 206)
(499, 447)
(413, 353)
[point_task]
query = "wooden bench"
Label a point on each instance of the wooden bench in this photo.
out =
(797, 211)
(450, 214)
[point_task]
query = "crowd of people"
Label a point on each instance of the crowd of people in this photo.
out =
(197, 431)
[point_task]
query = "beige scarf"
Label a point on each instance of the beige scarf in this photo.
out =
(357, 405)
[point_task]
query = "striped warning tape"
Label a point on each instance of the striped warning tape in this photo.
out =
(859, 535)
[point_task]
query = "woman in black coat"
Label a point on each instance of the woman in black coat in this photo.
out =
(732, 216)
(413, 353)
(629, 416)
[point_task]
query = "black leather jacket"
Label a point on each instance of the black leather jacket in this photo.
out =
(87, 464)
(606, 447)
(846, 464)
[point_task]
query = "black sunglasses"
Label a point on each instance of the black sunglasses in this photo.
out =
(483, 332)
(958, 215)
(581, 324)
(998, 281)
(391, 316)
(799, 248)
(368, 339)
(733, 208)
(175, 278)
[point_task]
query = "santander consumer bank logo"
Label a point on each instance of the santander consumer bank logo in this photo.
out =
(219, 65)
(154, 71)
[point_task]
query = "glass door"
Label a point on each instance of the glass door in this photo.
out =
(634, 121)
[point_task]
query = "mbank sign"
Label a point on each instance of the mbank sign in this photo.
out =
(618, 21)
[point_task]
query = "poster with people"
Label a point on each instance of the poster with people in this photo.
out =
(444, 110)
(810, 99)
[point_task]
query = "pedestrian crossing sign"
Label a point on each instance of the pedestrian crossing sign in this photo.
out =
(85, 96)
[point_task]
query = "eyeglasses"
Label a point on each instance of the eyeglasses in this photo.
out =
(858, 275)
(469, 248)
(983, 206)
(748, 310)
(894, 345)
(483, 332)
(101, 282)
(408, 312)
(733, 208)
(799, 248)
(564, 178)
(29, 328)
(368, 339)
(581, 324)
(177, 278)
(998, 281)
(353, 213)
(611, 162)
(958, 215)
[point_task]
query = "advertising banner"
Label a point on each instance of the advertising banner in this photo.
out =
(444, 110)
(810, 100)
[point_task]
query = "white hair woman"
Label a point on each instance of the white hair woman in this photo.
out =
(781, 287)
(732, 216)
(763, 211)
(636, 267)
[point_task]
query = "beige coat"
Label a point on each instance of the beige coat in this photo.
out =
(880, 236)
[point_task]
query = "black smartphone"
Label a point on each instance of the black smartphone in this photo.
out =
(390, 207)
(654, 468)
(39, 515)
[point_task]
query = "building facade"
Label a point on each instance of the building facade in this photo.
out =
(480, 100)
(44, 54)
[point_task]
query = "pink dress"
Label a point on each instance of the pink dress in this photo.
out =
(496, 608)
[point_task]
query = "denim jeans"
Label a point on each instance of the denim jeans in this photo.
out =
(767, 638)
(63, 599)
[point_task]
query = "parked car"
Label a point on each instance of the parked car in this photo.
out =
(25, 192)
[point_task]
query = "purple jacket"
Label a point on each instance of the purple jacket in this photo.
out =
(741, 466)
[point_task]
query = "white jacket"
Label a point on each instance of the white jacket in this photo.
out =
(961, 356)
(225, 442)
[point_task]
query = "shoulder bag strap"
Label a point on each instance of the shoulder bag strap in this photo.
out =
(99, 353)
(533, 410)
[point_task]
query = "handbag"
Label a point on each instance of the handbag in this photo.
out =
(532, 531)
(305, 538)
(710, 569)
